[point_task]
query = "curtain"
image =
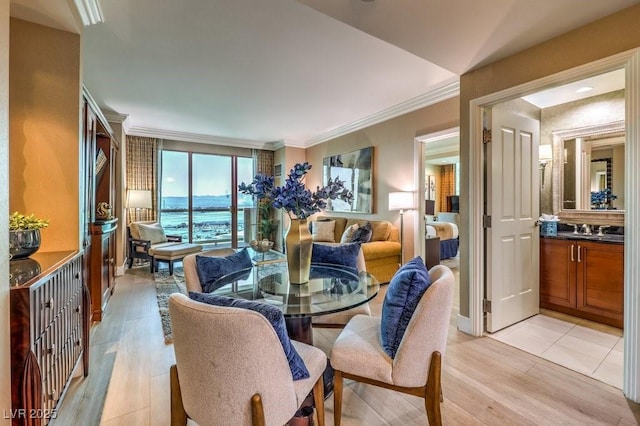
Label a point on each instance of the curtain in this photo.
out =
(263, 162)
(447, 184)
(142, 174)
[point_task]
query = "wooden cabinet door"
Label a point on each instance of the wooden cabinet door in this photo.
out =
(600, 288)
(557, 273)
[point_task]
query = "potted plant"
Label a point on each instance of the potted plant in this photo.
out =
(24, 234)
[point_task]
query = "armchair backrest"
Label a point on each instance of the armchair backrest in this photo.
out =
(224, 356)
(427, 330)
(134, 231)
(191, 279)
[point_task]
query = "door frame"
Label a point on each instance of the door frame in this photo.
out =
(629, 60)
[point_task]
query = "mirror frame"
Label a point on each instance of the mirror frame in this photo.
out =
(594, 217)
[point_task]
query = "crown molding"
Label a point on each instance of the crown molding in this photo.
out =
(90, 11)
(200, 138)
(114, 117)
(440, 94)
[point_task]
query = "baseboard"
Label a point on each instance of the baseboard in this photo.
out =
(464, 325)
(120, 269)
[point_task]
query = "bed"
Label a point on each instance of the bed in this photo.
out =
(446, 228)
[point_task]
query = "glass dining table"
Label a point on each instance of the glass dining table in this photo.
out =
(330, 289)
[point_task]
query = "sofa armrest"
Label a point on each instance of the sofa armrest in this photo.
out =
(145, 244)
(174, 238)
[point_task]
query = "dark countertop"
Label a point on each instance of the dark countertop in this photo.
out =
(25, 272)
(606, 238)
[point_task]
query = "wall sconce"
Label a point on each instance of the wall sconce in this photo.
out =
(401, 201)
(545, 154)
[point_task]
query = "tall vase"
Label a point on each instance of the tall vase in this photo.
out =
(298, 245)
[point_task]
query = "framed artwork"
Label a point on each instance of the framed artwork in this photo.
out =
(431, 188)
(355, 169)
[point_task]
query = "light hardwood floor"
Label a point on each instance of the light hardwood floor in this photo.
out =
(485, 382)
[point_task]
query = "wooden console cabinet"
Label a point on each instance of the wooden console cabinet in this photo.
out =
(102, 265)
(99, 240)
(583, 278)
(49, 332)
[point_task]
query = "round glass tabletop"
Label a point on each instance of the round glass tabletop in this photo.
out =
(330, 289)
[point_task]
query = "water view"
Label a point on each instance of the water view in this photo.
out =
(211, 218)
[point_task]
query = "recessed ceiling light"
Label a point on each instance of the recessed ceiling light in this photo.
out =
(584, 89)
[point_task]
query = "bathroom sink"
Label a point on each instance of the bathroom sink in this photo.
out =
(610, 238)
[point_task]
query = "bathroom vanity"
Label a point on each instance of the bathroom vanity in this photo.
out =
(583, 276)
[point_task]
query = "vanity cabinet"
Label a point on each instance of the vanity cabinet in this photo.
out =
(583, 278)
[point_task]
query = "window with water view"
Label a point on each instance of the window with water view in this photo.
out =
(199, 194)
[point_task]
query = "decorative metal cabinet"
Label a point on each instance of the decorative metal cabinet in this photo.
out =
(49, 332)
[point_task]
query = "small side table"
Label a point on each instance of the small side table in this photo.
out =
(431, 251)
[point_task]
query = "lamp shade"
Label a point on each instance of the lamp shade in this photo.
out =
(401, 200)
(138, 199)
(545, 153)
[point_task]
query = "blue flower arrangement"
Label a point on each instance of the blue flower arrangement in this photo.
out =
(599, 198)
(294, 198)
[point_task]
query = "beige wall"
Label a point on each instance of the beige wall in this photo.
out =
(606, 37)
(5, 354)
(120, 196)
(395, 163)
(44, 100)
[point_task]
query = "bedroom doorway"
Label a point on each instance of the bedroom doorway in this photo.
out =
(438, 200)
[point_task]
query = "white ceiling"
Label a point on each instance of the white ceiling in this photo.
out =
(248, 72)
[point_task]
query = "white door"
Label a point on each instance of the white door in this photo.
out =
(513, 240)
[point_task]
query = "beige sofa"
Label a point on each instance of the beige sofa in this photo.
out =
(382, 255)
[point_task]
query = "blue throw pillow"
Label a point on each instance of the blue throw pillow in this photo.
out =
(343, 255)
(211, 268)
(273, 315)
(403, 295)
(362, 234)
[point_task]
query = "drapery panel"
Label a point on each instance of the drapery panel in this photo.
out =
(142, 174)
(447, 184)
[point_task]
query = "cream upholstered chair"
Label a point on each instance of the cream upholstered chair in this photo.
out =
(231, 368)
(191, 279)
(358, 355)
(340, 319)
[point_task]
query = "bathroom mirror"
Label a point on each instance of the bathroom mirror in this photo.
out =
(588, 169)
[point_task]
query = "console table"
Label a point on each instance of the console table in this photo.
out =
(49, 317)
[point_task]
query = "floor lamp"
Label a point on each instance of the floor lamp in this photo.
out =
(401, 201)
(138, 199)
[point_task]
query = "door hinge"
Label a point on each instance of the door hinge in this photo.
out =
(486, 221)
(486, 136)
(486, 306)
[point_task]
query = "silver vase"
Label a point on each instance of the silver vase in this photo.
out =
(23, 243)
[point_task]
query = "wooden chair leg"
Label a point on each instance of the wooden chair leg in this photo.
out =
(257, 411)
(178, 415)
(337, 397)
(434, 391)
(318, 399)
(171, 267)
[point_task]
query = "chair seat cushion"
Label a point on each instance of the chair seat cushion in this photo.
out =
(211, 268)
(357, 350)
(273, 315)
(316, 362)
(405, 291)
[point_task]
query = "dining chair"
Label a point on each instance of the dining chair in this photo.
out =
(231, 368)
(340, 319)
(191, 278)
(357, 353)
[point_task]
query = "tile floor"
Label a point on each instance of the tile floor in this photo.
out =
(590, 348)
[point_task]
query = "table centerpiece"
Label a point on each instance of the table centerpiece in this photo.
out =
(299, 203)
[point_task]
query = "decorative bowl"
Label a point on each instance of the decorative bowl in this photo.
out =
(262, 246)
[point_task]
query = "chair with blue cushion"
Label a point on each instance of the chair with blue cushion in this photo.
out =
(340, 319)
(408, 361)
(231, 368)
